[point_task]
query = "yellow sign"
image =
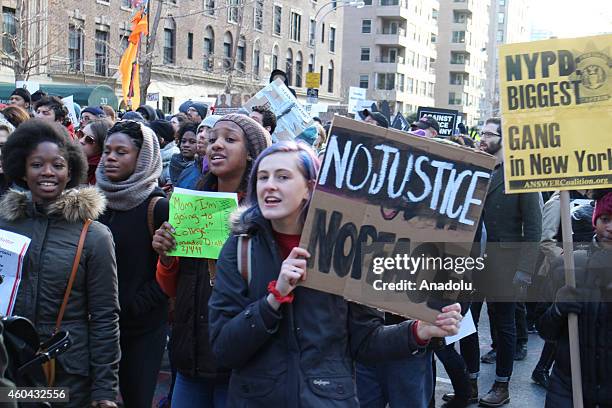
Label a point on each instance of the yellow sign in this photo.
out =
(313, 79)
(557, 114)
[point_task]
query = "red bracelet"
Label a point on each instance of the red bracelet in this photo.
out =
(280, 299)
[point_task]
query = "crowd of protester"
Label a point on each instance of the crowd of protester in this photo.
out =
(261, 340)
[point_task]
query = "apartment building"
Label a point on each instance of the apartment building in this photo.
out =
(389, 49)
(461, 65)
(508, 23)
(81, 43)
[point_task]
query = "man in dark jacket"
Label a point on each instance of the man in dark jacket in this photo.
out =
(591, 302)
(514, 227)
(277, 73)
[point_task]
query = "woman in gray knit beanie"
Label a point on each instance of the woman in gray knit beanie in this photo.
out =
(127, 175)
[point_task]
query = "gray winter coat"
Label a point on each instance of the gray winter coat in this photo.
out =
(92, 314)
(301, 355)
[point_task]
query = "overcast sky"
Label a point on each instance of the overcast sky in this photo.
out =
(572, 18)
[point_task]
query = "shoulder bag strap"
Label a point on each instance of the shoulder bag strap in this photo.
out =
(151, 214)
(75, 267)
(244, 257)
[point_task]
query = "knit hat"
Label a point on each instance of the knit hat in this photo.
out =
(24, 93)
(132, 115)
(309, 135)
(185, 106)
(201, 108)
(602, 206)
(5, 122)
(94, 110)
(257, 138)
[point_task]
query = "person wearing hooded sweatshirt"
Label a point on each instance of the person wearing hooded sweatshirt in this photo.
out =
(147, 112)
(127, 175)
(52, 212)
(591, 300)
(234, 143)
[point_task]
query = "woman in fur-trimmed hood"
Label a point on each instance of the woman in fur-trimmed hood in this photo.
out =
(52, 213)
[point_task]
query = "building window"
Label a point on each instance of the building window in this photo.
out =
(459, 58)
(295, 27)
(311, 63)
(232, 11)
(169, 42)
(228, 44)
(453, 100)
(256, 59)
(457, 78)
(500, 36)
(75, 47)
(330, 77)
(311, 32)
(501, 17)
(278, 14)
(410, 85)
(258, 17)
(423, 88)
(458, 37)
(364, 81)
(459, 17)
(10, 30)
(299, 67)
(241, 54)
(400, 82)
(385, 82)
(430, 89)
(101, 52)
(289, 67)
(367, 2)
(209, 49)
(365, 54)
(275, 57)
(209, 7)
(366, 26)
(321, 75)
(389, 2)
(167, 104)
(332, 39)
(189, 45)
(322, 33)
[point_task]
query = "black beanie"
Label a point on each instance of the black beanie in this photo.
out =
(24, 93)
(163, 129)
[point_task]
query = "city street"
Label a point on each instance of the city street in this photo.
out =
(523, 392)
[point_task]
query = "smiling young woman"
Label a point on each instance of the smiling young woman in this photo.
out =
(39, 158)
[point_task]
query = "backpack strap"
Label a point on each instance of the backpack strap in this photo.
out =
(244, 257)
(75, 267)
(151, 214)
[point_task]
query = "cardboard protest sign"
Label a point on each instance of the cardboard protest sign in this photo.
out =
(400, 122)
(557, 109)
(447, 118)
(230, 103)
(201, 222)
(291, 117)
(383, 193)
(13, 248)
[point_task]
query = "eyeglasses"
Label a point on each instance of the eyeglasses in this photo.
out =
(489, 134)
(89, 139)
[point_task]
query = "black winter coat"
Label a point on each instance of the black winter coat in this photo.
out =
(593, 272)
(144, 306)
(301, 355)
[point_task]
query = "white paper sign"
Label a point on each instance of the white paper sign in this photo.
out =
(31, 86)
(69, 103)
(13, 248)
(355, 94)
(467, 327)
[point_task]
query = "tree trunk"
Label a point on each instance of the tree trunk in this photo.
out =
(229, 83)
(147, 62)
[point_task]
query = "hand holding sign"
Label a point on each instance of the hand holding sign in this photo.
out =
(446, 324)
(164, 242)
(292, 271)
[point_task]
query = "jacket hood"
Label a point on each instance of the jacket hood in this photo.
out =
(76, 204)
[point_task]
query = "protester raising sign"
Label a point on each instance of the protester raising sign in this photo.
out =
(201, 222)
(556, 104)
(291, 117)
(383, 193)
(446, 118)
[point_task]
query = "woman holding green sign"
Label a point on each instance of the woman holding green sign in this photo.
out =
(127, 175)
(292, 346)
(234, 143)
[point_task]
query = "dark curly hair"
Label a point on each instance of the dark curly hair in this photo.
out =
(186, 127)
(268, 117)
(58, 107)
(131, 129)
(26, 138)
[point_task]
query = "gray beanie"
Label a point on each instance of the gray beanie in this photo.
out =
(257, 138)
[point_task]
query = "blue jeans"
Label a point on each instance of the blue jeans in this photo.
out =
(198, 392)
(396, 382)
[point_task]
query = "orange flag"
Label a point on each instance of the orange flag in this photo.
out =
(128, 67)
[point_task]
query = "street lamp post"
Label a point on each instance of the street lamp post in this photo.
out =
(313, 38)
